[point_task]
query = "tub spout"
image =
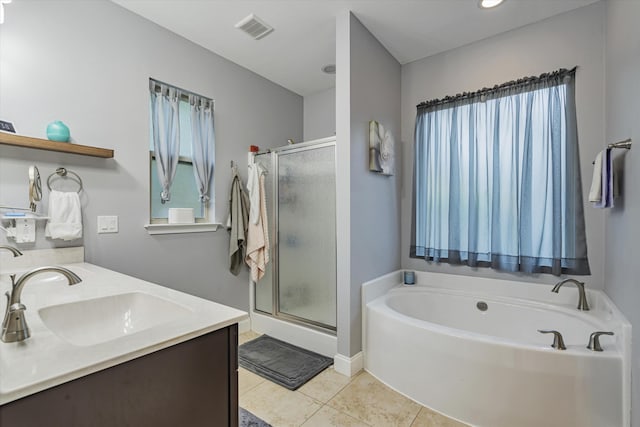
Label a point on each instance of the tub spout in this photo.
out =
(582, 302)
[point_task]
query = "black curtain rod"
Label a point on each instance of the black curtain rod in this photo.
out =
(508, 85)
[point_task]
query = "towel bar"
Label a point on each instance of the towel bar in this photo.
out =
(626, 144)
(621, 144)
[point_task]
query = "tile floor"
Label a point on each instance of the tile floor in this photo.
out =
(332, 399)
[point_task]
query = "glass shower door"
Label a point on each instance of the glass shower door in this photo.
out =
(306, 237)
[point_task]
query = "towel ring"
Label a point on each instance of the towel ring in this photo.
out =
(63, 172)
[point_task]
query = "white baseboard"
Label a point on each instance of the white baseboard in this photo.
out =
(348, 366)
(244, 326)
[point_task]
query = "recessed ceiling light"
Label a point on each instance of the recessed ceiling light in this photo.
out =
(329, 69)
(488, 4)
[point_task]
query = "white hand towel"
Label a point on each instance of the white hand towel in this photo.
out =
(65, 216)
(595, 194)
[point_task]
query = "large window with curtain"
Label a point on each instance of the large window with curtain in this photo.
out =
(497, 178)
(182, 152)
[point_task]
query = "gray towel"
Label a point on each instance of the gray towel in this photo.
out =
(238, 223)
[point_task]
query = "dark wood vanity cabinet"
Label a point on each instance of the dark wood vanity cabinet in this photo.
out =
(194, 383)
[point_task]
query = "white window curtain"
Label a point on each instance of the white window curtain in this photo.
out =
(166, 133)
(497, 179)
(203, 143)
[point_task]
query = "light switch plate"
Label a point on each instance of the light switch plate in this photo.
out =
(107, 224)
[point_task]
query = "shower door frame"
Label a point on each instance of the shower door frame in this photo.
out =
(275, 244)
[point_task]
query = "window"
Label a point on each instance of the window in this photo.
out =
(497, 179)
(184, 193)
(181, 153)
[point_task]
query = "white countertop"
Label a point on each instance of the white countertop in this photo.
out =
(45, 360)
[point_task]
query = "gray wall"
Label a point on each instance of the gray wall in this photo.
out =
(622, 227)
(563, 41)
(373, 94)
(320, 114)
(88, 64)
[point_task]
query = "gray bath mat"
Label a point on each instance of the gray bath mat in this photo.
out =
(247, 419)
(281, 362)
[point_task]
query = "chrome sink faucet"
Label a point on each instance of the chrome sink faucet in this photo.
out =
(11, 249)
(14, 325)
(582, 302)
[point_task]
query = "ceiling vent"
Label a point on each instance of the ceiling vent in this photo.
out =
(254, 26)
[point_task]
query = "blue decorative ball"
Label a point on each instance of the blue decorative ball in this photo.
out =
(58, 131)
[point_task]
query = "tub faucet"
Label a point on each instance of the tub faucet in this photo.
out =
(558, 342)
(11, 249)
(594, 340)
(14, 325)
(582, 302)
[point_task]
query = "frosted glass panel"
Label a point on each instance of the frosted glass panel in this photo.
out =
(307, 234)
(264, 287)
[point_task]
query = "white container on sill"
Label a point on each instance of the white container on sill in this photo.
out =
(181, 216)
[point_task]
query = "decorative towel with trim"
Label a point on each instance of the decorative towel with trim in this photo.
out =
(65, 216)
(237, 223)
(258, 237)
(253, 188)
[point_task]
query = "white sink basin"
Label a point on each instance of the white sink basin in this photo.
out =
(95, 321)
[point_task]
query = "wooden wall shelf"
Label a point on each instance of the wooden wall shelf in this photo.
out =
(45, 144)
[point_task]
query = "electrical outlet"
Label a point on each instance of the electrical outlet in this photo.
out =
(107, 224)
(25, 230)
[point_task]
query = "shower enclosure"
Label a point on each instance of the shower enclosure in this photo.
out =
(300, 281)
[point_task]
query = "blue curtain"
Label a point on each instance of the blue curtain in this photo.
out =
(165, 121)
(203, 143)
(497, 179)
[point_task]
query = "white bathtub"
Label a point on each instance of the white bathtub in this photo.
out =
(493, 368)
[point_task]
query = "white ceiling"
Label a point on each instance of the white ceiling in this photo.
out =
(304, 37)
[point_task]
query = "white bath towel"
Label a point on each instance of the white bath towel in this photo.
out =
(258, 238)
(595, 194)
(606, 181)
(65, 216)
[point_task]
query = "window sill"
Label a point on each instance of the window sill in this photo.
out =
(198, 227)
